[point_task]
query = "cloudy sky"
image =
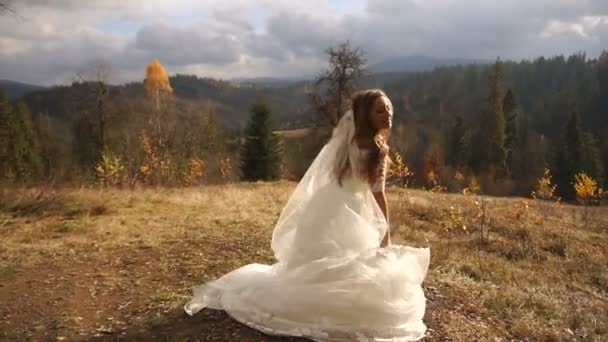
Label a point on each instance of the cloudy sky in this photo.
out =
(51, 41)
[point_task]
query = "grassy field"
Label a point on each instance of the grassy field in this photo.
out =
(118, 265)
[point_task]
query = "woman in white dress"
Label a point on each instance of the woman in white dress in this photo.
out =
(337, 275)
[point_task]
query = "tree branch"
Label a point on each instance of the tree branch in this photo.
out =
(5, 7)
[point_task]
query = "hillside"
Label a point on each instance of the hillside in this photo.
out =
(16, 90)
(108, 265)
(231, 101)
(439, 121)
(419, 63)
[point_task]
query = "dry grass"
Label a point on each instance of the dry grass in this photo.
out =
(293, 133)
(534, 282)
(112, 264)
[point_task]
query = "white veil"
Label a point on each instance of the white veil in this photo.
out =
(332, 282)
(319, 189)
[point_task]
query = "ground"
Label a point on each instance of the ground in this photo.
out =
(93, 264)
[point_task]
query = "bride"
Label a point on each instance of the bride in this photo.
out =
(337, 275)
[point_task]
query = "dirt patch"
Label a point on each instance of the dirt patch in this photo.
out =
(134, 293)
(126, 294)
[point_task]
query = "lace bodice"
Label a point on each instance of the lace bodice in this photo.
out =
(358, 161)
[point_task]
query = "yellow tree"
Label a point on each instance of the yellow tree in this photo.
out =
(111, 170)
(157, 87)
(157, 82)
(225, 168)
(399, 171)
(478, 215)
(586, 190)
(544, 192)
(195, 172)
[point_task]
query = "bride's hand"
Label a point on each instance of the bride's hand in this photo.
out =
(386, 241)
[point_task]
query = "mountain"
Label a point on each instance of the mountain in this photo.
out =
(17, 89)
(418, 63)
(231, 101)
(266, 81)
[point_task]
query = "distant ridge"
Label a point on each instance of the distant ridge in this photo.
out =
(419, 63)
(16, 90)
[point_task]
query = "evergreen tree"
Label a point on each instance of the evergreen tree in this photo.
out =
(19, 150)
(520, 159)
(490, 139)
(261, 153)
(528, 155)
(510, 118)
(578, 152)
(602, 77)
(568, 159)
(600, 122)
(86, 145)
(5, 126)
(592, 158)
(28, 164)
(458, 148)
(44, 132)
(213, 135)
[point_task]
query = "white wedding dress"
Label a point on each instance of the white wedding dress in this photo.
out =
(332, 281)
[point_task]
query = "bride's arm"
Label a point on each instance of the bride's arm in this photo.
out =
(380, 197)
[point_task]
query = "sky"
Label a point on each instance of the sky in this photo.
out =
(57, 41)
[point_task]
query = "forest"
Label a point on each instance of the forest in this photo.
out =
(501, 125)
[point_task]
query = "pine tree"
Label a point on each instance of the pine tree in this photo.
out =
(47, 145)
(214, 137)
(602, 77)
(261, 153)
(19, 149)
(592, 158)
(510, 118)
(85, 147)
(458, 144)
(490, 139)
(601, 122)
(528, 154)
(578, 152)
(5, 126)
(568, 158)
(28, 164)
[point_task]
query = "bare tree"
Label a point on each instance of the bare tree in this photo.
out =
(102, 74)
(5, 7)
(97, 75)
(333, 88)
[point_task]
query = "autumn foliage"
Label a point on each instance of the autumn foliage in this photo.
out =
(157, 79)
(587, 190)
(399, 172)
(195, 172)
(111, 170)
(226, 168)
(545, 189)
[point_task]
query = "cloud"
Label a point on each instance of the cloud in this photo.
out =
(60, 59)
(190, 45)
(478, 28)
(288, 29)
(51, 40)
